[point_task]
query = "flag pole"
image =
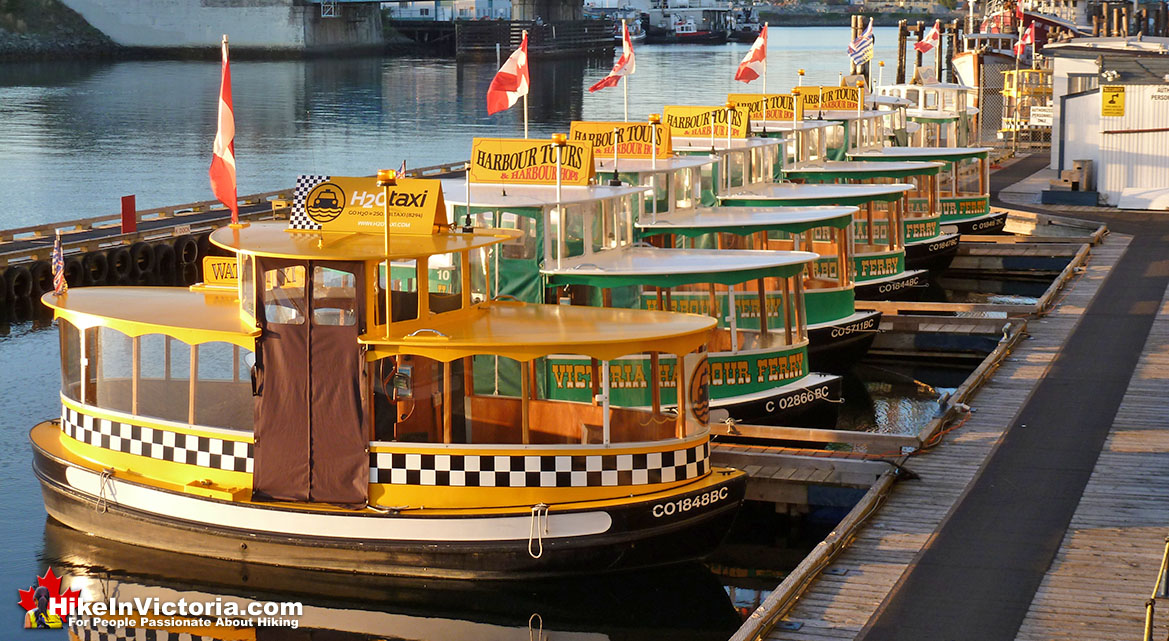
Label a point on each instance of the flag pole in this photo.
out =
(525, 97)
(765, 72)
(624, 85)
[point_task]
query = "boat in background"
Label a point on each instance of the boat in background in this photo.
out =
(964, 184)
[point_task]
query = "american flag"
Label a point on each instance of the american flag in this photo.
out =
(402, 169)
(58, 261)
(861, 49)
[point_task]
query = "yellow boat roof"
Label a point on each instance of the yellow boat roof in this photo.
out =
(191, 317)
(525, 331)
(273, 239)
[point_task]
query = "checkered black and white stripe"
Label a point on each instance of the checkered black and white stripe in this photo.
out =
(591, 470)
(299, 218)
(93, 632)
(220, 454)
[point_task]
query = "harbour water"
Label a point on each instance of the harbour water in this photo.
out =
(78, 135)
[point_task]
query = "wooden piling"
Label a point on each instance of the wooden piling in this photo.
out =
(902, 37)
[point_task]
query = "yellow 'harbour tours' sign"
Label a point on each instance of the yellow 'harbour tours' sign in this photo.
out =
(358, 205)
(696, 122)
(774, 106)
(633, 139)
(813, 98)
(521, 161)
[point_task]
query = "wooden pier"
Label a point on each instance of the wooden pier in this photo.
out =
(1110, 556)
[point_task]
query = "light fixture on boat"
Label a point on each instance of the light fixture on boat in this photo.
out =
(387, 178)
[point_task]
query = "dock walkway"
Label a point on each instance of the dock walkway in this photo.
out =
(1044, 515)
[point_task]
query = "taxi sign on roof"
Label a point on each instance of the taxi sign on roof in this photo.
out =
(358, 205)
(773, 106)
(522, 161)
(633, 139)
(696, 122)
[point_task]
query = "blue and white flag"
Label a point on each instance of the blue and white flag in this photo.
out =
(860, 50)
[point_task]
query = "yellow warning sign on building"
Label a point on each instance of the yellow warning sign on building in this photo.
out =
(1112, 100)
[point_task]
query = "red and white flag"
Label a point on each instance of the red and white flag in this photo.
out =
(625, 65)
(754, 64)
(222, 170)
(1028, 38)
(511, 81)
(931, 39)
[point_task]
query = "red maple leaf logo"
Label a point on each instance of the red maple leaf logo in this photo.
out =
(53, 583)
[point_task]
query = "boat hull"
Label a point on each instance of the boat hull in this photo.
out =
(809, 402)
(933, 255)
(987, 224)
(902, 286)
(641, 532)
(837, 346)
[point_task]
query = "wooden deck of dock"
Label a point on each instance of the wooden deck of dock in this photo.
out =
(1097, 585)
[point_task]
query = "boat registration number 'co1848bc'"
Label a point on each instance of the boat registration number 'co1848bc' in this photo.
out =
(681, 506)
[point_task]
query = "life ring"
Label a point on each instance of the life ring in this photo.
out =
(189, 274)
(121, 265)
(142, 258)
(75, 272)
(164, 264)
(186, 250)
(42, 278)
(96, 267)
(19, 282)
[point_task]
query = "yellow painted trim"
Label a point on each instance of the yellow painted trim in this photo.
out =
(177, 477)
(158, 424)
(523, 498)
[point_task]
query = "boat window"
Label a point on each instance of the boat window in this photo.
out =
(573, 238)
(334, 296)
(522, 248)
(835, 136)
(403, 290)
(70, 359)
(445, 283)
(284, 295)
(114, 370)
(685, 184)
(223, 392)
(247, 282)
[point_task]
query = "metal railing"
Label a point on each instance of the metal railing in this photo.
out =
(1159, 590)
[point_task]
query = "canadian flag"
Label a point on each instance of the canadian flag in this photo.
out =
(511, 81)
(625, 65)
(1028, 38)
(931, 38)
(222, 170)
(755, 62)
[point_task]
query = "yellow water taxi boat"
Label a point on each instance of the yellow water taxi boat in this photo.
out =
(300, 408)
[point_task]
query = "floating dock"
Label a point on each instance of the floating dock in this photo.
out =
(1044, 514)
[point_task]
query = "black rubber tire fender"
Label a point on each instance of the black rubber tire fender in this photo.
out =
(19, 282)
(142, 258)
(121, 266)
(186, 250)
(189, 274)
(97, 268)
(75, 272)
(42, 278)
(164, 264)
(205, 246)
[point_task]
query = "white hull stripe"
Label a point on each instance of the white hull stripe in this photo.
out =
(388, 528)
(163, 445)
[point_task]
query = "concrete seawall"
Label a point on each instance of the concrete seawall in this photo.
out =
(264, 25)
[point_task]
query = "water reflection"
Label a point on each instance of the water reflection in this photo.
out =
(685, 603)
